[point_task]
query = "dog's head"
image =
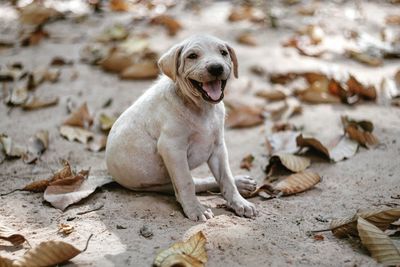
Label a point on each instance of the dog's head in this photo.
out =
(201, 66)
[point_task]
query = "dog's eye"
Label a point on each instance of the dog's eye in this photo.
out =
(224, 53)
(192, 56)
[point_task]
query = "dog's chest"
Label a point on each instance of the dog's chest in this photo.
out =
(201, 145)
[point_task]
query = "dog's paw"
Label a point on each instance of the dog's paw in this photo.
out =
(197, 212)
(242, 207)
(245, 184)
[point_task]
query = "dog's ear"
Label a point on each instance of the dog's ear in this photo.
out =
(169, 62)
(232, 54)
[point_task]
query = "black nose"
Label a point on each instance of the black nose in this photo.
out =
(215, 69)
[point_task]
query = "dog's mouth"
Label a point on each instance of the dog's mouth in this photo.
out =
(212, 91)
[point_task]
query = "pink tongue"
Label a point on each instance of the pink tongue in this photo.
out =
(213, 89)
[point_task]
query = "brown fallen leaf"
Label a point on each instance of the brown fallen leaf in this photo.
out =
(365, 58)
(147, 69)
(80, 117)
(37, 145)
(188, 253)
(247, 162)
(314, 97)
(119, 5)
(76, 134)
(247, 39)
(241, 114)
(339, 149)
(48, 253)
(63, 193)
(171, 24)
(272, 95)
(60, 61)
(11, 236)
(240, 13)
(5, 262)
(382, 218)
(37, 103)
(93, 53)
(289, 161)
(37, 13)
(367, 92)
(380, 246)
(65, 229)
(116, 61)
(10, 148)
(360, 131)
(115, 32)
(392, 20)
(34, 37)
(98, 143)
(297, 183)
(106, 122)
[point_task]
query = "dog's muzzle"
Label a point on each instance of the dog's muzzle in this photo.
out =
(212, 91)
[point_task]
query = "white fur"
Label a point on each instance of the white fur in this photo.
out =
(171, 130)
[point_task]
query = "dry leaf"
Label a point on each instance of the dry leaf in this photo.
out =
(364, 57)
(11, 236)
(36, 103)
(243, 115)
(360, 131)
(34, 37)
(284, 141)
(339, 149)
(76, 134)
(65, 229)
(80, 117)
(5, 262)
(392, 20)
(116, 61)
(48, 253)
(119, 5)
(380, 246)
(10, 148)
(381, 218)
(356, 87)
(171, 24)
(146, 69)
(63, 193)
(60, 61)
(19, 95)
(189, 253)
(271, 95)
(106, 122)
(37, 145)
(291, 162)
(93, 53)
(115, 32)
(37, 186)
(297, 183)
(247, 162)
(97, 144)
(36, 13)
(247, 39)
(314, 97)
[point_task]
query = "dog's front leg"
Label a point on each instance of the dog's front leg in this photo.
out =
(219, 166)
(174, 155)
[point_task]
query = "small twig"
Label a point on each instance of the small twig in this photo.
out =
(87, 211)
(323, 230)
(87, 243)
(15, 190)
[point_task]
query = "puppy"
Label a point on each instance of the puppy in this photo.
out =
(177, 125)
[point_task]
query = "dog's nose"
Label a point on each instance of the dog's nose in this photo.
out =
(215, 69)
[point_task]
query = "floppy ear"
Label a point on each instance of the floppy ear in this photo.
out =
(232, 54)
(169, 62)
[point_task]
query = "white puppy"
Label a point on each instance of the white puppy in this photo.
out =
(177, 125)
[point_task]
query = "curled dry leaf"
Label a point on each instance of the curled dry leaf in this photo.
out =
(37, 145)
(360, 131)
(65, 229)
(314, 97)
(80, 117)
(11, 236)
(247, 162)
(291, 162)
(36, 103)
(119, 5)
(146, 69)
(380, 246)
(36, 13)
(10, 148)
(63, 193)
(247, 39)
(297, 183)
(48, 253)
(106, 122)
(367, 92)
(188, 253)
(382, 218)
(76, 134)
(116, 61)
(171, 24)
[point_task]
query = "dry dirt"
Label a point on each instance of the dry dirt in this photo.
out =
(279, 235)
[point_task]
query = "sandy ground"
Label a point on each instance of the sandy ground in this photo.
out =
(278, 236)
